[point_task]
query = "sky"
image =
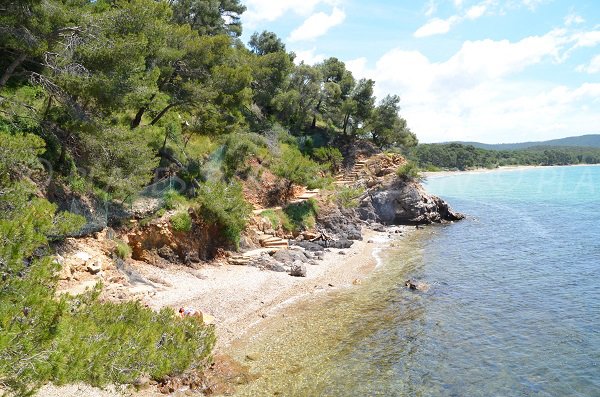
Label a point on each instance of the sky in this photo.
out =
(485, 70)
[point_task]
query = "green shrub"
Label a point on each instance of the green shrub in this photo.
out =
(294, 167)
(330, 157)
(300, 216)
(238, 148)
(174, 200)
(181, 222)
(409, 171)
(347, 196)
(273, 217)
(45, 338)
(122, 249)
(223, 204)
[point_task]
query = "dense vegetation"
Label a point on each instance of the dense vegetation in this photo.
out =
(106, 96)
(462, 157)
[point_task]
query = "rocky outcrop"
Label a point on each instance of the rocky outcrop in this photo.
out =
(398, 202)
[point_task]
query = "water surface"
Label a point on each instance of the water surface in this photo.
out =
(513, 308)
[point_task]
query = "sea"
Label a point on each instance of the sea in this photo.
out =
(512, 306)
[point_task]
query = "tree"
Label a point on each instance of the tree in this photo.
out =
(337, 83)
(302, 94)
(358, 107)
(387, 128)
(209, 17)
(265, 43)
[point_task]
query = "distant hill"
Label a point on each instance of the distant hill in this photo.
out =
(592, 140)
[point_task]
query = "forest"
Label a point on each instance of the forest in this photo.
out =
(100, 99)
(455, 156)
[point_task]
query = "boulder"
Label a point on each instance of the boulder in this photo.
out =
(289, 256)
(298, 269)
(400, 202)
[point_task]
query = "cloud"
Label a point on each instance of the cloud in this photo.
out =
(431, 8)
(436, 26)
(476, 12)
(268, 10)
(573, 19)
(308, 57)
(592, 67)
(473, 94)
(317, 25)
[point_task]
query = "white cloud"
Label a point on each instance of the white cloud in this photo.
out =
(317, 25)
(458, 3)
(431, 8)
(592, 67)
(268, 10)
(308, 56)
(476, 11)
(573, 19)
(436, 26)
(473, 94)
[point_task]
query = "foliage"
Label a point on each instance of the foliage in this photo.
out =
(71, 339)
(223, 204)
(409, 171)
(122, 249)
(181, 222)
(347, 196)
(300, 216)
(238, 149)
(330, 157)
(174, 200)
(462, 157)
(294, 167)
(273, 217)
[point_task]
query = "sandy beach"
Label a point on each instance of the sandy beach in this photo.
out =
(241, 298)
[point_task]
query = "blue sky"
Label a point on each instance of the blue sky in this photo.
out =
(485, 70)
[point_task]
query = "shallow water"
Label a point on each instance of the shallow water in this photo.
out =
(513, 308)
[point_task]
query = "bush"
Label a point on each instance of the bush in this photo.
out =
(45, 338)
(174, 200)
(238, 148)
(181, 222)
(300, 216)
(273, 217)
(122, 249)
(330, 157)
(296, 168)
(347, 197)
(223, 204)
(409, 171)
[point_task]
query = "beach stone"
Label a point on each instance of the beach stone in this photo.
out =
(275, 267)
(341, 243)
(289, 256)
(307, 245)
(298, 269)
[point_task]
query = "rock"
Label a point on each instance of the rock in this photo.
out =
(357, 281)
(341, 243)
(307, 245)
(167, 253)
(94, 267)
(275, 267)
(399, 202)
(371, 242)
(342, 253)
(298, 269)
(289, 256)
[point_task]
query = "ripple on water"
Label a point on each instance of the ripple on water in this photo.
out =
(513, 308)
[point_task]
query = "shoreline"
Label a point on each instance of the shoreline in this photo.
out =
(244, 299)
(505, 168)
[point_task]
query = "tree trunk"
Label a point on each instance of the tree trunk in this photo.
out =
(11, 69)
(138, 117)
(346, 120)
(162, 113)
(317, 109)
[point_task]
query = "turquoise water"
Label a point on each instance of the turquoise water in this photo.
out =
(513, 307)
